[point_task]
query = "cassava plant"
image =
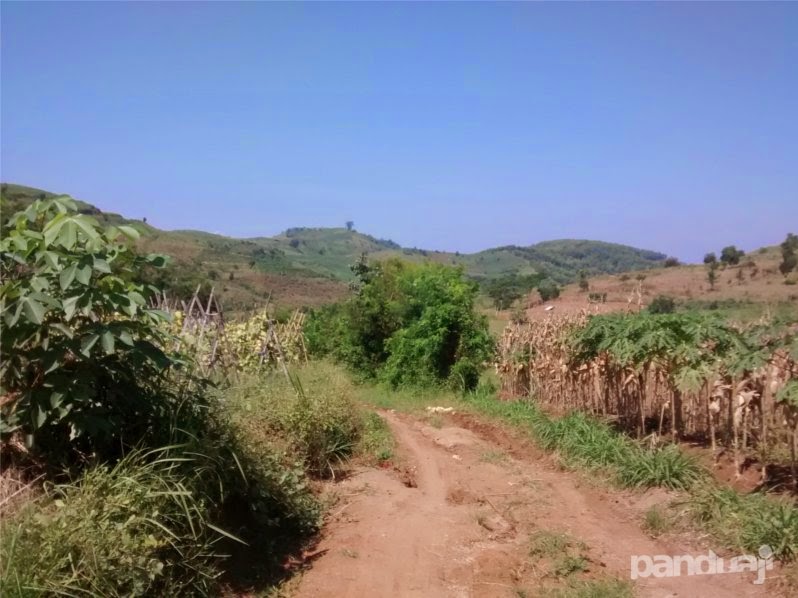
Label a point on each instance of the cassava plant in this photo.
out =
(82, 362)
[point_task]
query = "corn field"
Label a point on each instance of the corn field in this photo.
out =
(686, 376)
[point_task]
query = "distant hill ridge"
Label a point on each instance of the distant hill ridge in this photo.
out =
(327, 253)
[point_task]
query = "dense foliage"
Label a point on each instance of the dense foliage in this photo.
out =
(662, 304)
(82, 358)
(548, 290)
(408, 324)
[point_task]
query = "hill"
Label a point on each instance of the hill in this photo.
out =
(309, 266)
(744, 291)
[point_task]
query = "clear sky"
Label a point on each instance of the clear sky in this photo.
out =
(444, 126)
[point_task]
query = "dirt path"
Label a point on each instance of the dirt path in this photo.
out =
(459, 523)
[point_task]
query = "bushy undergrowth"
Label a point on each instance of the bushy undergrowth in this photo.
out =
(162, 522)
(162, 477)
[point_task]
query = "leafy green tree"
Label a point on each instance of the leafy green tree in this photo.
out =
(710, 258)
(81, 358)
(350, 225)
(671, 262)
(503, 292)
(730, 255)
(548, 290)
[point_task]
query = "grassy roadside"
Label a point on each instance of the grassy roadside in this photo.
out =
(738, 522)
(215, 513)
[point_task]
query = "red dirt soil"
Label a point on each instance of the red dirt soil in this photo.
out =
(458, 523)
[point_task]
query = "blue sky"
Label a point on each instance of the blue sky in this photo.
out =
(670, 126)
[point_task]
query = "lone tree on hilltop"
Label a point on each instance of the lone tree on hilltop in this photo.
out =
(350, 224)
(710, 258)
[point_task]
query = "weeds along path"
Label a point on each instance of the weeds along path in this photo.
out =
(472, 514)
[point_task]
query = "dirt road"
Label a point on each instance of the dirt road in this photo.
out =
(479, 512)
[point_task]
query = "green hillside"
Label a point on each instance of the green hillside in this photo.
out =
(318, 259)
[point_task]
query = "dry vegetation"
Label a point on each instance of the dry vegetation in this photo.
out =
(756, 280)
(681, 375)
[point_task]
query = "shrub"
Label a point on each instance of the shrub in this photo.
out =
(82, 365)
(671, 262)
(508, 289)
(548, 290)
(584, 284)
(789, 259)
(409, 324)
(662, 304)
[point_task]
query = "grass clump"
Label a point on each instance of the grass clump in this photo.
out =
(583, 441)
(600, 588)
(558, 553)
(315, 419)
(140, 527)
(377, 445)
(656, 522)
(746, 522)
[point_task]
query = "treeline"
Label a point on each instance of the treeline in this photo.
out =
(406, 324)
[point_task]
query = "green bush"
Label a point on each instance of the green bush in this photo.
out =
(662, 304)
(731, 256)
(506, 290)
(548, 290)
(409, 324)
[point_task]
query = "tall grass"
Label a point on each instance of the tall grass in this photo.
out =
(140, 527)
(583, 441)
(222, 504)
(312, 416)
